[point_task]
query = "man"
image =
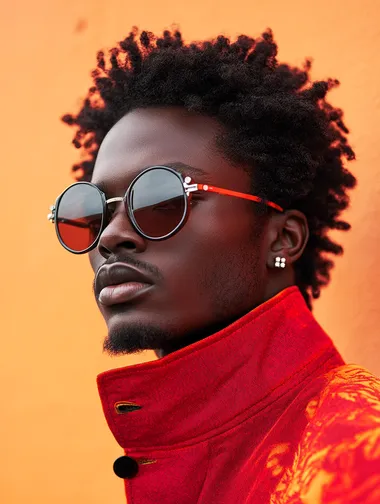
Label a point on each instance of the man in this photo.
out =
(212, 177)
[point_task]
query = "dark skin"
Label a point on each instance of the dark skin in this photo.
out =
(218, 267)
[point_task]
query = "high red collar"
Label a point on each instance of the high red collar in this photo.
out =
(196, 391)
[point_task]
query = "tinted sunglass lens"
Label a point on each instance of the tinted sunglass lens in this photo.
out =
(158, 202)
(79, 216)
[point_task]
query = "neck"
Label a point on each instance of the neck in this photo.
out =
(173, 345)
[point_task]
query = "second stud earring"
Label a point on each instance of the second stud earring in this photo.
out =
(280, 262)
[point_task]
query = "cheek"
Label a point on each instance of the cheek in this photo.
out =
(215, 244)
(225, 223)
(232, 242)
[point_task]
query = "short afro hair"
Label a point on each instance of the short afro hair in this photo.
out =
(276, 121)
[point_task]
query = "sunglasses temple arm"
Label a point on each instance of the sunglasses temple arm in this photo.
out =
(227, 192)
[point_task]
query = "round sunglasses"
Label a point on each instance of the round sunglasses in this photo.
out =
(156, 202)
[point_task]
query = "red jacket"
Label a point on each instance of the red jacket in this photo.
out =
(264, 411)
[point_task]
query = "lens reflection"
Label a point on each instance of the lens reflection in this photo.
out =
(157, 201)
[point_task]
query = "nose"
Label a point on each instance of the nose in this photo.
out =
(120, 232)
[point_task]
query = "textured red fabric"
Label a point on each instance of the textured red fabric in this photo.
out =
(264, 411)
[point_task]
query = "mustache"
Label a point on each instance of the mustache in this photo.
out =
(149, 269)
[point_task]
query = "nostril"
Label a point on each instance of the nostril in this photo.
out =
(104, 251)
(130, 245)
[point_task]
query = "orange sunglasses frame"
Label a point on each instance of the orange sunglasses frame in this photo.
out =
(228, 192)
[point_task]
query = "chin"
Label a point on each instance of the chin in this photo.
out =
(133, 338)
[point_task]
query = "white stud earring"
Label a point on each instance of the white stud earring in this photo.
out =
(280, 262)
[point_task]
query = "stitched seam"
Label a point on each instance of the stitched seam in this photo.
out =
(207, 471)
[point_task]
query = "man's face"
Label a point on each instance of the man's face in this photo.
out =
(205, 276)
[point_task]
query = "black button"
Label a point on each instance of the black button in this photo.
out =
(125, 467)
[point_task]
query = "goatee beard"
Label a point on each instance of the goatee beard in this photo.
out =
(134, 339)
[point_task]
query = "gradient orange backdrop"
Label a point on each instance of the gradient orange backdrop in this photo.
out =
(56, 446)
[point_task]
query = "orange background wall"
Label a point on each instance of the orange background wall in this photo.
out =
(55, 444)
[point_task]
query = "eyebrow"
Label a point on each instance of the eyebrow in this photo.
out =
(185, 169)
(182, 168)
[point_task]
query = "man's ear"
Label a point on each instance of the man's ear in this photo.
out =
(288, 234)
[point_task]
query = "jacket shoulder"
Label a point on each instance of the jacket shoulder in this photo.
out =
(339, 453)
(352, 382)
(338, 456)
(345, 414)
(350, 392)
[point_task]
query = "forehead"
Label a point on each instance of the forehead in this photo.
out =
(164, 136)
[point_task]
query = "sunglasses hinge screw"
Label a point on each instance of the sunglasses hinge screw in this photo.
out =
(51, 215)
(190, 187)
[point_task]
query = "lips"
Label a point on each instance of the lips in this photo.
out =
(120, 283)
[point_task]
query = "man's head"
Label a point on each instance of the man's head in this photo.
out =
(249, 124)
